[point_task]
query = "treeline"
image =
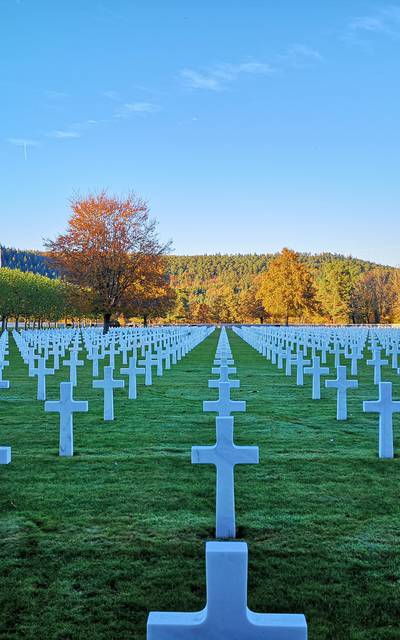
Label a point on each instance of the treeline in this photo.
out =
(33, 299)
(284, 287)
(231, 288)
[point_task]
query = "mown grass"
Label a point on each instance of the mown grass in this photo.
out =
(90, 545)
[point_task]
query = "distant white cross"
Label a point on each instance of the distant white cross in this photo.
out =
(108, 385)
(341, 384)
(300, 363)
(66, 407)
(225, 455)
(224, 377)
(41, 372)
(132, 371)
(148, 363)
(316, 371)
(386, 407)
(377, 362)
(4, 384)
(226, 615)
(224, 405)
(354, 356)
(72, 363)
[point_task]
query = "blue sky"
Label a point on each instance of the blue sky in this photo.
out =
(248, 125)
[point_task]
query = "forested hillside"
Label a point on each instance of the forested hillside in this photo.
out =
(32, 261)
(226, 288)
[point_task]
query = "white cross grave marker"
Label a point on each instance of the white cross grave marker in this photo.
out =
(377, 362)
(300, 363)
(316, 371)
(148, 363)
(341, 384)
(66, 407)
(226, 615)
(224, 377)
(72, 363)
(386, 407)
(224, 405)
(225, 455)
(108, 385)
(41, 372)
(132, 371)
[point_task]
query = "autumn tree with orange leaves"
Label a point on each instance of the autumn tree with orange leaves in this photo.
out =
(109, 246)
(286, 288)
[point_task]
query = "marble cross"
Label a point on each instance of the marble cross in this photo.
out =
(224, 405)
(386, 407)
(66, 407)
(223, 377)
(41, 372)
(108, 385)
(377, 362)
(300, 363)
(226, 615)
(72, 363)
(341, 384)
(225, 455)
(354, 356)
(316, 371)
(4, 384)
(132, 371)
(95, 356)
(148, 363)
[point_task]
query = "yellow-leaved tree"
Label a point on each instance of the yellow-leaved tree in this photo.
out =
(286, 288)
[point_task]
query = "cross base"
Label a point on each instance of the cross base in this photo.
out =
(5, 455)
(226, 615)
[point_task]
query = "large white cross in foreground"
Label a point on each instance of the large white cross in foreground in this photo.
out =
(386, 407)
(66, 407)
(226, 615)
(225, 455)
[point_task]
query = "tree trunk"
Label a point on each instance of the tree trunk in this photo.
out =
(261, 320)
(106, 322)
(3, 323)
(16, 323)
(287, 321)
(145, 321)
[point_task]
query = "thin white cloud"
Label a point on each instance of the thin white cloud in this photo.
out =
(111, 95)
(220, 76)
(197, 80)
(63, 135)
(368, 23)
(385, 21)
(128, 108)
(300, 55)
(56, 95)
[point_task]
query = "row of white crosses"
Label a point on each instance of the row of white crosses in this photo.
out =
(176, 342)
(277, 344)
(5, 452)
(159, 347)
(226, 614)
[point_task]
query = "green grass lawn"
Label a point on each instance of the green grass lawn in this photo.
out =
(90, 545)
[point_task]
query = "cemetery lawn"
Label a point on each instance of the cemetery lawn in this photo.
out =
(90, 545)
